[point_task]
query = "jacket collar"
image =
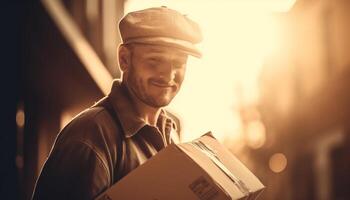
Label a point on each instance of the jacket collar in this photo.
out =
(130, 120)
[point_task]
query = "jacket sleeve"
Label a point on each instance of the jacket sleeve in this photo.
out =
(73, 171)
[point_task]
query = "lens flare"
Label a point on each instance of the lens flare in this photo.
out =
(278, 162)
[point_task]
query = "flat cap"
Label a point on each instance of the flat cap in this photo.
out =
(161, 26)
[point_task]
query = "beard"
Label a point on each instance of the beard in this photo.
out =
(147, 92)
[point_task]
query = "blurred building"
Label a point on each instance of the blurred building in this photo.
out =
(63, 43)
(305, 104)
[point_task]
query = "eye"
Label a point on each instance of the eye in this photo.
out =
(152, 61)
(179, 65)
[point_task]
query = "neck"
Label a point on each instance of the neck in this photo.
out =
(147, 113)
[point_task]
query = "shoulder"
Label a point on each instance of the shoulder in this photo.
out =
(94, 127)
(92, 116)
(79, 163)
(87, 121)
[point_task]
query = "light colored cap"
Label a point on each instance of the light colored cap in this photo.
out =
(161, 26)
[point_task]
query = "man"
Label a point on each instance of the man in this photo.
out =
(128, 126)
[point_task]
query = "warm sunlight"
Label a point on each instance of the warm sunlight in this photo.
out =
(237, 36)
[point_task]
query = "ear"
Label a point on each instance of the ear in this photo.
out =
(124, 57)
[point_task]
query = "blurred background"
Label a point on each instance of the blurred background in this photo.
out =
(273, 85)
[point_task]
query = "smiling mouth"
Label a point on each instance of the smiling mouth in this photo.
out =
(162, 85)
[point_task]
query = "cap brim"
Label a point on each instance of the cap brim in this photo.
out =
(182, 45)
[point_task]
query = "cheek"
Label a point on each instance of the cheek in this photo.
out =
(137, 74)
(180, 75)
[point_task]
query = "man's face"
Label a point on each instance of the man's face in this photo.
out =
(155, 73)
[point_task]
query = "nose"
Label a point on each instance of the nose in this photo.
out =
(167, 73)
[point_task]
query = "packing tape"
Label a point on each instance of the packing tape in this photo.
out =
(216, 160)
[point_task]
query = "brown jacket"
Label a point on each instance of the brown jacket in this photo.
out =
(100, 146)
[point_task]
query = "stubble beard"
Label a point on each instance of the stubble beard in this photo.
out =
(138, 88)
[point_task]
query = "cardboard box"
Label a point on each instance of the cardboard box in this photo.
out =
(200, 170)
